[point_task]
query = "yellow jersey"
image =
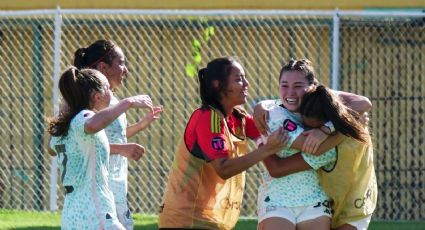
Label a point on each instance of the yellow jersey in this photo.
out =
(351, 182)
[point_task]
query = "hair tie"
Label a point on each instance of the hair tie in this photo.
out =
(202, 73)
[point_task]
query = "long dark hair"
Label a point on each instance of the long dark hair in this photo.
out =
(218, 69)
(76, 87)
(99, 51)
(322, 105)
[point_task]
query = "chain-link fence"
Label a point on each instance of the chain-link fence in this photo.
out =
(379, 55)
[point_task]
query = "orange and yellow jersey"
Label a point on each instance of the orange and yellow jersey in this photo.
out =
(195, 196)
(351, 182)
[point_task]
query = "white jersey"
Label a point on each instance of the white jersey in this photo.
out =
(118, 164)
(83, 160)
(298, 189)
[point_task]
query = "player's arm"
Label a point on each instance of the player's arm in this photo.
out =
(261, 114)
(132, 151)
(206, 137)
(278, 167)
(142, 124)
(358, 103)
(105, 116)
(330, 142)
(228, 167)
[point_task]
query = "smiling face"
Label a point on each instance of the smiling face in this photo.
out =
(117, 70)
(236, 91)
(293, 86)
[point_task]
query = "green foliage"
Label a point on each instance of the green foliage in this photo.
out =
(192, 67)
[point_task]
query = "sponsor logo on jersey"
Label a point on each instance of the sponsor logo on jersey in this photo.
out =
(289, 125)
(217, 143)
(360, 202)
(226, 203)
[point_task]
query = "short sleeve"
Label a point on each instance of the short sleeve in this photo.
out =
(205, 135)
(317, 162)
(269, 104)
(279, 117)
(80, 119)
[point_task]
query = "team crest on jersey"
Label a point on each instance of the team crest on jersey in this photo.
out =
(289, 125)
(217, 143)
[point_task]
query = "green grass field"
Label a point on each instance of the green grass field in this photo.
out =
(11, 219)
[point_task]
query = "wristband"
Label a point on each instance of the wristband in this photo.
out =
(323, 131)
(330, 126)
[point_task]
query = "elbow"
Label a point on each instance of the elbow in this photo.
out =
(224, 175)
(274, 174)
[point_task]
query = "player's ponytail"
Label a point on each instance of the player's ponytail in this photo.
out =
(322, 105)
(202, 87)
(99, 51)
(76, 87)
(212, 80)
(79, 58)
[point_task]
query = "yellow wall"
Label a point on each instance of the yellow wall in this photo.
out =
(216, 4)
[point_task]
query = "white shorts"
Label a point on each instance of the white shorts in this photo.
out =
(361, 224)
(124, 216)
(296, 214)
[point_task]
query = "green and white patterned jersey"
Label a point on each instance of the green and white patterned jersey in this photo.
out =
(118, 164)
(83, 160)
(298, 189)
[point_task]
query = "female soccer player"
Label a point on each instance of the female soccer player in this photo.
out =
(281, 196)
(83, 148)
(109, 59)
(206, 182)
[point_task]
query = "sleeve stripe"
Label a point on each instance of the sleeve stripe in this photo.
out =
(212, 121)
(215, 122)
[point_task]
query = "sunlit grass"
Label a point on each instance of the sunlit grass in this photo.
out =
(13, 219)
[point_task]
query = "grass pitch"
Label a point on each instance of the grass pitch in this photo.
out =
(27, 220)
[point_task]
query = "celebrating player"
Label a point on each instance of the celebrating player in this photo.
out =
(80, 142)
(206, 182)
(108, 58)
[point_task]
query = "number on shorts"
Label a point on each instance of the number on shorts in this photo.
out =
(61, 149)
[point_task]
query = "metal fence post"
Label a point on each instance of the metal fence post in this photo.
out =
(335, 50)
(56, 68)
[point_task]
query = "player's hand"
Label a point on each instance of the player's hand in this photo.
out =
(140, 101)
(261, 115)
(315, 137)
(277, 140)
(150, 117)
(132, 151)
